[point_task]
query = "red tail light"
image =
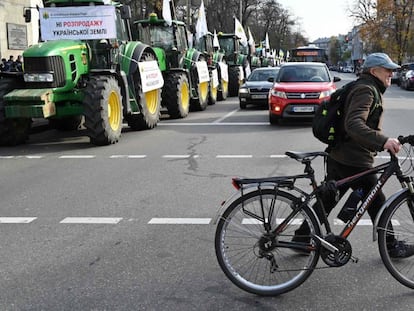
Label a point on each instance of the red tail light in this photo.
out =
(235, 183)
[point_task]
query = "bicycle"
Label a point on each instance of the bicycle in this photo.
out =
(255, 226)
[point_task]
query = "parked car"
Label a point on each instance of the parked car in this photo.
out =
(256, 88)
(299, 89)
(407, 76)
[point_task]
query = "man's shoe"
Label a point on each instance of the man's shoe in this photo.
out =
(400, 249)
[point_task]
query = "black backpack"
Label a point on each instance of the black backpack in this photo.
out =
(328, 124)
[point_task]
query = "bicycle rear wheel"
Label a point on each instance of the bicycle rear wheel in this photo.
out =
(251, 256)
(399, 219)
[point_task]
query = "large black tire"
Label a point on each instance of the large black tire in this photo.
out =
(12, 131)
(103, 110)
(176, 95)
(234, 81)
(149, 102)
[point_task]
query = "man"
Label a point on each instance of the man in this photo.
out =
(364, 138)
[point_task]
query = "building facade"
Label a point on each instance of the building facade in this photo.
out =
(15, 34)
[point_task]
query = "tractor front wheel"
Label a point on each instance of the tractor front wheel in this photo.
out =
(103, 110)
(176, 95)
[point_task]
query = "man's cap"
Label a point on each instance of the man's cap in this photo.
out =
(379, 60)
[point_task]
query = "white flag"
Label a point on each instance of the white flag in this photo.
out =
(239, 32)
(252, 44)
(201, 26)
(267, 44)
(166, 12)
(216, 42)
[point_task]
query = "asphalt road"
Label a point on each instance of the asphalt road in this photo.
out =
(130, 226)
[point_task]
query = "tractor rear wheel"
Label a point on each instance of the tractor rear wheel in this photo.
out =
(13, 131)
(176, 95)
(149, 102)
(234, 80)
(103, 110)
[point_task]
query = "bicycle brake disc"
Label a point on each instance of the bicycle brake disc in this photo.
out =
(340, 257)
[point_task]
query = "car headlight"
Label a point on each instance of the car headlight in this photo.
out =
(243, 90)
(410, 74)
(277, 93)
(326, 93)
(38, 77)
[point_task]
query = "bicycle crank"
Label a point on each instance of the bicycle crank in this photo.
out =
(338, 253)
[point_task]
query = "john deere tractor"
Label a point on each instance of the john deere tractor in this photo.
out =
(238, 62)
(86, 67)
(185, 71)
(216, 61)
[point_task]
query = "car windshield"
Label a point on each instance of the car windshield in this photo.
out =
(303, 74)
(262, 75)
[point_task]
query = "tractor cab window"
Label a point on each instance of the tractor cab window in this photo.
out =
(227, 45)
(162, 37)
(121, 30)
(182, 44)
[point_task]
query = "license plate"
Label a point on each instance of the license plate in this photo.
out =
(259, 96)
(303, 109)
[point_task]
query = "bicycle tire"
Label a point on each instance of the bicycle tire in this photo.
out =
(398, 213)
(237, 241)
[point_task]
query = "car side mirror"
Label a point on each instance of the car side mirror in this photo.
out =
(271, 79)
(336, 79)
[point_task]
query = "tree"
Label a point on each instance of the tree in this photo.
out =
(385, 25)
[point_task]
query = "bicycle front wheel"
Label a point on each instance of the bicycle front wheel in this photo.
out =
(256, 259)
(396, 226)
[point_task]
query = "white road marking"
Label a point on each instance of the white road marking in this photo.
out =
(214, 124)
(180, 221)
(225, 116)
(176, 156)
(132, 156)
(16, 220)
(91, 220)
(77, 156)
(234, 156)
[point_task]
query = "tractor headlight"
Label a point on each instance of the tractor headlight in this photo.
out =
(38, 77)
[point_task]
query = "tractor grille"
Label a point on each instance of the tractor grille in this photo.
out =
(53, 64)
(314, 95)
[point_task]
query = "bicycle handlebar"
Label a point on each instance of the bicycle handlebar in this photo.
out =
(406, 139)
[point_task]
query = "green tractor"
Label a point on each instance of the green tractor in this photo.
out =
(217, 65)
(185, 71)
(88, 68)
(238, 62)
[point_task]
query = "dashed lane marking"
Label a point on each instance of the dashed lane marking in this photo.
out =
(91, 220)
(180, 221)
(16, 220)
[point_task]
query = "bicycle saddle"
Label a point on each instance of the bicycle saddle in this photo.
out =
(305, 155)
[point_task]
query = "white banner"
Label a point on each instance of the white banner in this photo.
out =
(202, 71)
(151, 77)
(78, 23)
(241, 73)
(214, 78)
(224, 70)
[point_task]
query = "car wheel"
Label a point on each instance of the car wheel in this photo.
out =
(243, 105)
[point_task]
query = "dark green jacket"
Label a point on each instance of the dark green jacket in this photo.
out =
(362, 125)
